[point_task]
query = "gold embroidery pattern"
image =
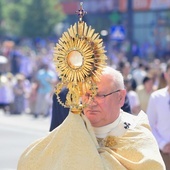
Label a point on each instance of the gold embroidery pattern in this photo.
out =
(109, 141)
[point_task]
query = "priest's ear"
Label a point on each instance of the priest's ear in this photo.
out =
(122, 95)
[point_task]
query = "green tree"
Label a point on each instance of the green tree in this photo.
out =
(42, 15)
(30, 18)
(12, 16)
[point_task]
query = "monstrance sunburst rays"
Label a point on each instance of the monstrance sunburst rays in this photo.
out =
(79, 57)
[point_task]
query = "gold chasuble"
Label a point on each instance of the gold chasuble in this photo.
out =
(73, 146)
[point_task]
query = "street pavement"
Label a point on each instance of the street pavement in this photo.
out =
(17, 132)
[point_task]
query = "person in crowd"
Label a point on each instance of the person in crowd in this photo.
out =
(9, 92)
(125, 68)
(162, 81)
(144, 91)
(139, 73)
(6, 93)
(158, 112)
(33, 96)
(46, 80)
(19, 94)
(155, 70)
(132, 96)
(102, 137)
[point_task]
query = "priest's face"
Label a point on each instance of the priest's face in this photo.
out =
(105, 108)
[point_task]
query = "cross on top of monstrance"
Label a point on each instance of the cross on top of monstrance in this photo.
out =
(81, 12)
(79, 58)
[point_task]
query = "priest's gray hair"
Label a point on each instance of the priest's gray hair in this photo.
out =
(115, 76)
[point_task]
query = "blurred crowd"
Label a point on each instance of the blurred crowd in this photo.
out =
(28, 79)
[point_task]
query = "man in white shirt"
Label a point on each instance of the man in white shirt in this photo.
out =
(158, 112)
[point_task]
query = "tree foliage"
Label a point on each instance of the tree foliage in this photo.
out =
(30, 18)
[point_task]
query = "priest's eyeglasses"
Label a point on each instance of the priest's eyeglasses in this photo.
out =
(99, 98)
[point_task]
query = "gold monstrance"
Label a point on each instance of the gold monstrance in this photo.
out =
(79, 57)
